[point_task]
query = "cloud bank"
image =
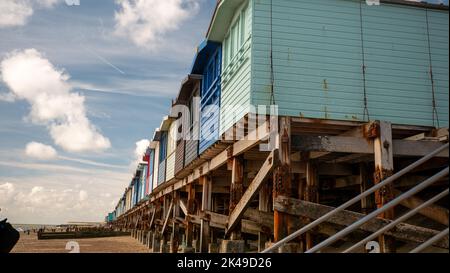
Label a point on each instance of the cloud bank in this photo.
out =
(17, 12)
(146, 22)
(33, 78)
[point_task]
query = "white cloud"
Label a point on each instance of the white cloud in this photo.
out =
(141, 147)
(40, 151)
(33, 78)
(14, 12)
(17, 12)
(59, 197)
(6, 193)
(146, 22)
(83, 196)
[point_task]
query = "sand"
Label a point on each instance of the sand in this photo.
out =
(30, 244)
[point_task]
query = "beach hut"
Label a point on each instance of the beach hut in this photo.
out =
(155, 145)
(208, 63)
(141, 174)
(362, 62)
(162, 136)
(171, 150)
(149, 158)
(189, 96)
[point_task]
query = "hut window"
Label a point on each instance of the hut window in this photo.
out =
(236, 37)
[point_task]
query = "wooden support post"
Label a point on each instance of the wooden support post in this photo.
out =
(368, 203)
(433, 211)
(166, 221)
(264, 198)
(282, 177)
(152, 219)
(311, 194)
(236, 191)
(206, 206)
(384, 167)
(190, 210)
(250, 193)
(174, 239)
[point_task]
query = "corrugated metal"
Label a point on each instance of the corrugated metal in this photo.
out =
(179, 160)
(318, 60)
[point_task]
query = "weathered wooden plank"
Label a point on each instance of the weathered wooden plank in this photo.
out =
(167, 217)
(282, 177)
(342, 144)
(367, 203)
(255, 221)
(190, 210)
(183, 207)
(251, 191)
(402, 231)
(236, 191)
(153, 217)
(434, 212)
(384, 168)
(263, 205)
(311, 194)
(206, 206)
(357, 145)
(416, 148)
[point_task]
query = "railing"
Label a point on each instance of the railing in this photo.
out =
(377, 212)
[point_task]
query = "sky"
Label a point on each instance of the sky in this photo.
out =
(81, 89)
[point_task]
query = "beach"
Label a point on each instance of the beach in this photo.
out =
(30, 244)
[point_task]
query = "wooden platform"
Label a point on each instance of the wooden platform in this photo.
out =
(234, 191)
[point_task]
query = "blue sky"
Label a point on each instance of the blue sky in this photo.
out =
(127, 89)
(127, 74)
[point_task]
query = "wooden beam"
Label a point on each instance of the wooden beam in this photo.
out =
(263, 205)
(434, 212)
(251, 192)
(206, 206)
(358, 145)
(311, 194)
(167, 218)
(402, 231)
(282, 177)
(183, 207)
(367, 203)
(174, 239)
(190, 210)
(251, 225)
(236, 191)
(153, 217)
(384, 168)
